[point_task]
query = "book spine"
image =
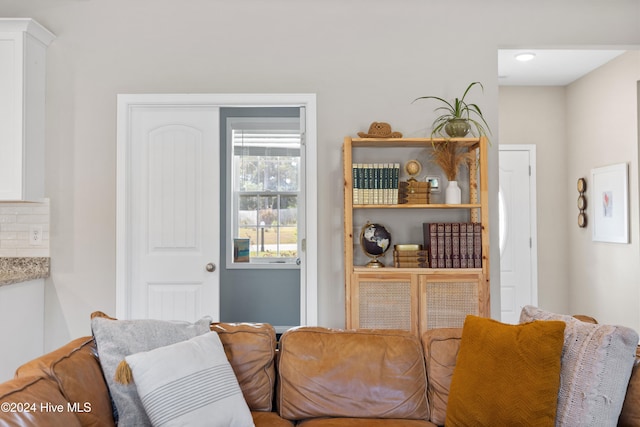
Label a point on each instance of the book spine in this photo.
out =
(410, 259)
(429, 231)
(416, 253)
(448, 246)
(356, 183)
(367, 184)
(455, 245)
(410, 264)
(463, 245)
(477, 245)
(441, 245)
(470, 245)
(376, 184)
(396, 176)
(387, 184)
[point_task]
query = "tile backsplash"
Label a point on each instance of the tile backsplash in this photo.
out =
(18, 222)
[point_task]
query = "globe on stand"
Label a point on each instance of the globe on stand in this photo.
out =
(375, 241)
(413, 168)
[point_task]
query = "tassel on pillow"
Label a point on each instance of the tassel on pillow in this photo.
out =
(123, 373)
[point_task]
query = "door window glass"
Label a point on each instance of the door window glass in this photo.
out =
(265, 189)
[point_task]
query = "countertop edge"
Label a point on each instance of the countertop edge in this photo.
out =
(17, 270)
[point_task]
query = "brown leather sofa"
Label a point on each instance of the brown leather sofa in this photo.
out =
(323, 377)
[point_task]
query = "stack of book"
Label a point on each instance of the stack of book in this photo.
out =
(410, 256)
(414, 192)
(453, 245)
(375, 183)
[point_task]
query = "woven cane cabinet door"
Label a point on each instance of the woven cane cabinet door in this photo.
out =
(414, 299)
(384, 301)
(446, 300)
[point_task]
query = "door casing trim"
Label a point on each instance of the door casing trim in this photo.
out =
(125, 104)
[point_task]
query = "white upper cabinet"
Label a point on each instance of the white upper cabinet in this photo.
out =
(23, 44)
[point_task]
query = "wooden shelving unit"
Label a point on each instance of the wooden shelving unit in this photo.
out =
(416, 299)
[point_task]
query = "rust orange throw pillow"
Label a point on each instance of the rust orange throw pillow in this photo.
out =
(506, 374)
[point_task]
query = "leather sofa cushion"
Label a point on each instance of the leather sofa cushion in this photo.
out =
(269, 419)
(76, 370)
(440, 352)
(250, 348)
(358, 374)
(18, 397)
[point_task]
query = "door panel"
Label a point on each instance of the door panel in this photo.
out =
(175, 217)
(516, 284)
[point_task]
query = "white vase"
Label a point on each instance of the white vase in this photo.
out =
(453, 196)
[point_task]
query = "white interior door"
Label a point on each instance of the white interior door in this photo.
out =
(174, 206)
(518, 271)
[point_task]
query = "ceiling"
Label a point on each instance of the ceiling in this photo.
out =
(550, 67)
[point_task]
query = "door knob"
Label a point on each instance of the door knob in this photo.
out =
(211, 267)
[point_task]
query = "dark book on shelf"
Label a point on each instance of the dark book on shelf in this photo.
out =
(453, 245)
(463, 245)
(430, 231)
(477, 245)
(448, 245)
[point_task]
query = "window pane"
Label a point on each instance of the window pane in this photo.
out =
(288, 210)
(248, 168)
(289, 242)
(289, 168)
(268, 214)
(248, 210)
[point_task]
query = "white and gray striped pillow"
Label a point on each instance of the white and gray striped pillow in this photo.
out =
(190, 383)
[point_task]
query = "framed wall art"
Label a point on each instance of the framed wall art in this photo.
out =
(610, 202)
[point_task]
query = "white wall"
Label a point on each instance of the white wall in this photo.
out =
(16, 221)
(365, 59)
(602, 129)
(536, 115)
(590, 123)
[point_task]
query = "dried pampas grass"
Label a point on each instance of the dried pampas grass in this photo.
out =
(450, 157)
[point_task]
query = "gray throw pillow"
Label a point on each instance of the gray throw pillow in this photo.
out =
(596, 366)
(190, 383)
(116, 339)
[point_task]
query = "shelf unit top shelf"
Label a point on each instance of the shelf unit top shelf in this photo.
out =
(421, 206)
(411, 142)
(453, 271)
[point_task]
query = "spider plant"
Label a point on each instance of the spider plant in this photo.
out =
(458, 110)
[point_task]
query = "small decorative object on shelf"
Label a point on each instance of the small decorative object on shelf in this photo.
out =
(434, 183)
(450, 157)
(380, 130)
(413, 169)
(410, 256)
(582, 203)
(414, 192)
(453, 196)
(375, 241)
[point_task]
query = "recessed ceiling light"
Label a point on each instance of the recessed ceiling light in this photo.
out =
(525, 56)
